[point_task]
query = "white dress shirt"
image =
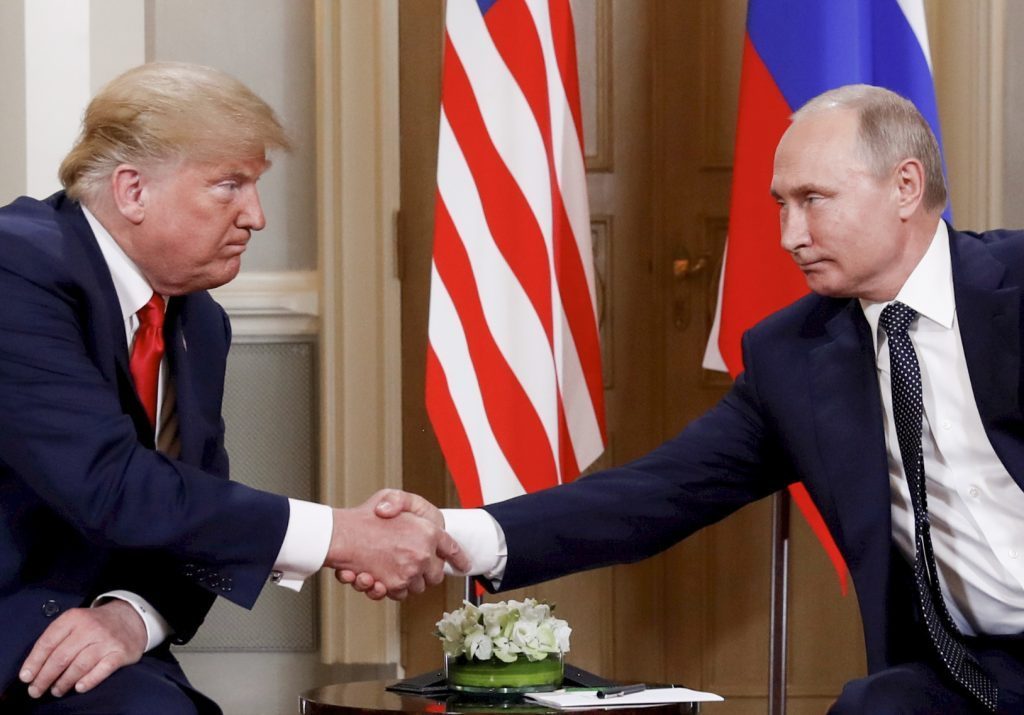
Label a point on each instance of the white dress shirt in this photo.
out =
(310, 525)
(974, 505)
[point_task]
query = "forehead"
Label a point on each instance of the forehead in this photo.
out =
(819, 147)
(245, 166)
(196, 174)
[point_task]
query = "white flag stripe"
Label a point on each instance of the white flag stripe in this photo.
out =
(584, 430)
(573, 183)
(448, 340)
(913, 10)
(506, 113)
(713, 359)
(510, 316)
(570, 172)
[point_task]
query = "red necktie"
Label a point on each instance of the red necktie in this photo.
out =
(147, 352)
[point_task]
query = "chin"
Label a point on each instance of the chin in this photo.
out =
(826, 288)
(230, 271)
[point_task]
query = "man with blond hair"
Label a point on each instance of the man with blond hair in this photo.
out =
(118, 525)
(893, 392)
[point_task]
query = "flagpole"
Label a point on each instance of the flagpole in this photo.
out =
(778, 625)
(472, 593)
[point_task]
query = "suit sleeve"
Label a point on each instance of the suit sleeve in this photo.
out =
(722, 461)
(64, 435)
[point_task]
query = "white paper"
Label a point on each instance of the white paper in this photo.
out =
(570, 699)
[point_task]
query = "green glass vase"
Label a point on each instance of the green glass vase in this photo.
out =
(496, 676)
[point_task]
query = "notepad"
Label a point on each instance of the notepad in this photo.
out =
(584, 699)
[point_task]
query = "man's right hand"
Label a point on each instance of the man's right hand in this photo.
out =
(404, 553)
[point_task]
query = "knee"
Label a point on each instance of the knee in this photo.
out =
(910, 689)
(132, 690)
(165, 700)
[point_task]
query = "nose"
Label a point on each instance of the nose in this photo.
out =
(252, 216)
(793, 226)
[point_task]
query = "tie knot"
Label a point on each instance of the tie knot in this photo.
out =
(896, 318)
(152, 313)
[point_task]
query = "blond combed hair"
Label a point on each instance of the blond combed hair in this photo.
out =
(891, 130)
(164, 112)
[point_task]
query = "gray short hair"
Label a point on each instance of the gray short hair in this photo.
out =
(168, 111)
(891, 130)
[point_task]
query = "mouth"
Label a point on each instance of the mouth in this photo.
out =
(808, 265)
(235, 248)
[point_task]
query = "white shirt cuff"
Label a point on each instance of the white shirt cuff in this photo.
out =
(305, 544)
(157, 629)
(481, 538)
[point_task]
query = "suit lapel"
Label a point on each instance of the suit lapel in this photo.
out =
(851, 443)
(105, 323)
(988, 315)
(851, 439)
(179, 364)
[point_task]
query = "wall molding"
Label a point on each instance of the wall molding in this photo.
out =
(272, 306)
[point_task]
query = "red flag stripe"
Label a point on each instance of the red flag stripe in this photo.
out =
(517, 41)
(762, 120)
(512, 417)
(510, 316)
(563, 33)
(448, 341)
(512, 223)
(454, 442)
(579, 311)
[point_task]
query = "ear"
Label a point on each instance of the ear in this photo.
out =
(127, 183)
(909, 187)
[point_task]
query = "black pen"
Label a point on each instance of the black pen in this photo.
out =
(621, 690)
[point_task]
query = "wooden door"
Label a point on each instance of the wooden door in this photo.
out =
(662, 78)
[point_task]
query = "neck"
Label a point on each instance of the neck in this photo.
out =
(920, 231)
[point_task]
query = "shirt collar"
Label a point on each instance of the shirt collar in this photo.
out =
(132, 288)
(928, 289)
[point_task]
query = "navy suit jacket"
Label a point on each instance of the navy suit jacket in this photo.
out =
(86, 504)
(807, 408)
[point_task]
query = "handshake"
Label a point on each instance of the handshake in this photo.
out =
(392, 545)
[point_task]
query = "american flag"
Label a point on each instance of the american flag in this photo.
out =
(514, 388)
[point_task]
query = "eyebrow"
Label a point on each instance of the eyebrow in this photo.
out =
(242, 175)
(797, 191)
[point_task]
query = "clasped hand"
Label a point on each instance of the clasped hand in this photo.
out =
(392, 545)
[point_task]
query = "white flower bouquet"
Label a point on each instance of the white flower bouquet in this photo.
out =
(503, 631)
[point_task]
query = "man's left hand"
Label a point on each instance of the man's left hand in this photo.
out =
(83, 647)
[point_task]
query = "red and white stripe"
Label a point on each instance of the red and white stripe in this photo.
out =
(514, 388)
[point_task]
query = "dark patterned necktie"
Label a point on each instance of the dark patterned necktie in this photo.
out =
(908, 410)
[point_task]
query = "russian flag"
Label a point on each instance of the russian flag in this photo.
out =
(793, 51)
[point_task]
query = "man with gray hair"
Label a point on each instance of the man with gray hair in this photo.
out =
(893, 392)
(118, 525)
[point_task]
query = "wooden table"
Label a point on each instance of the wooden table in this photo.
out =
(370, 698)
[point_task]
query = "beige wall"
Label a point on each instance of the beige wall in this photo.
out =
(1013, 119)
(269, 45)
(12, 118)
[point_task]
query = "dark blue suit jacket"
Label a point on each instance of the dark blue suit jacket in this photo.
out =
(86, 504)
(807, 408)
